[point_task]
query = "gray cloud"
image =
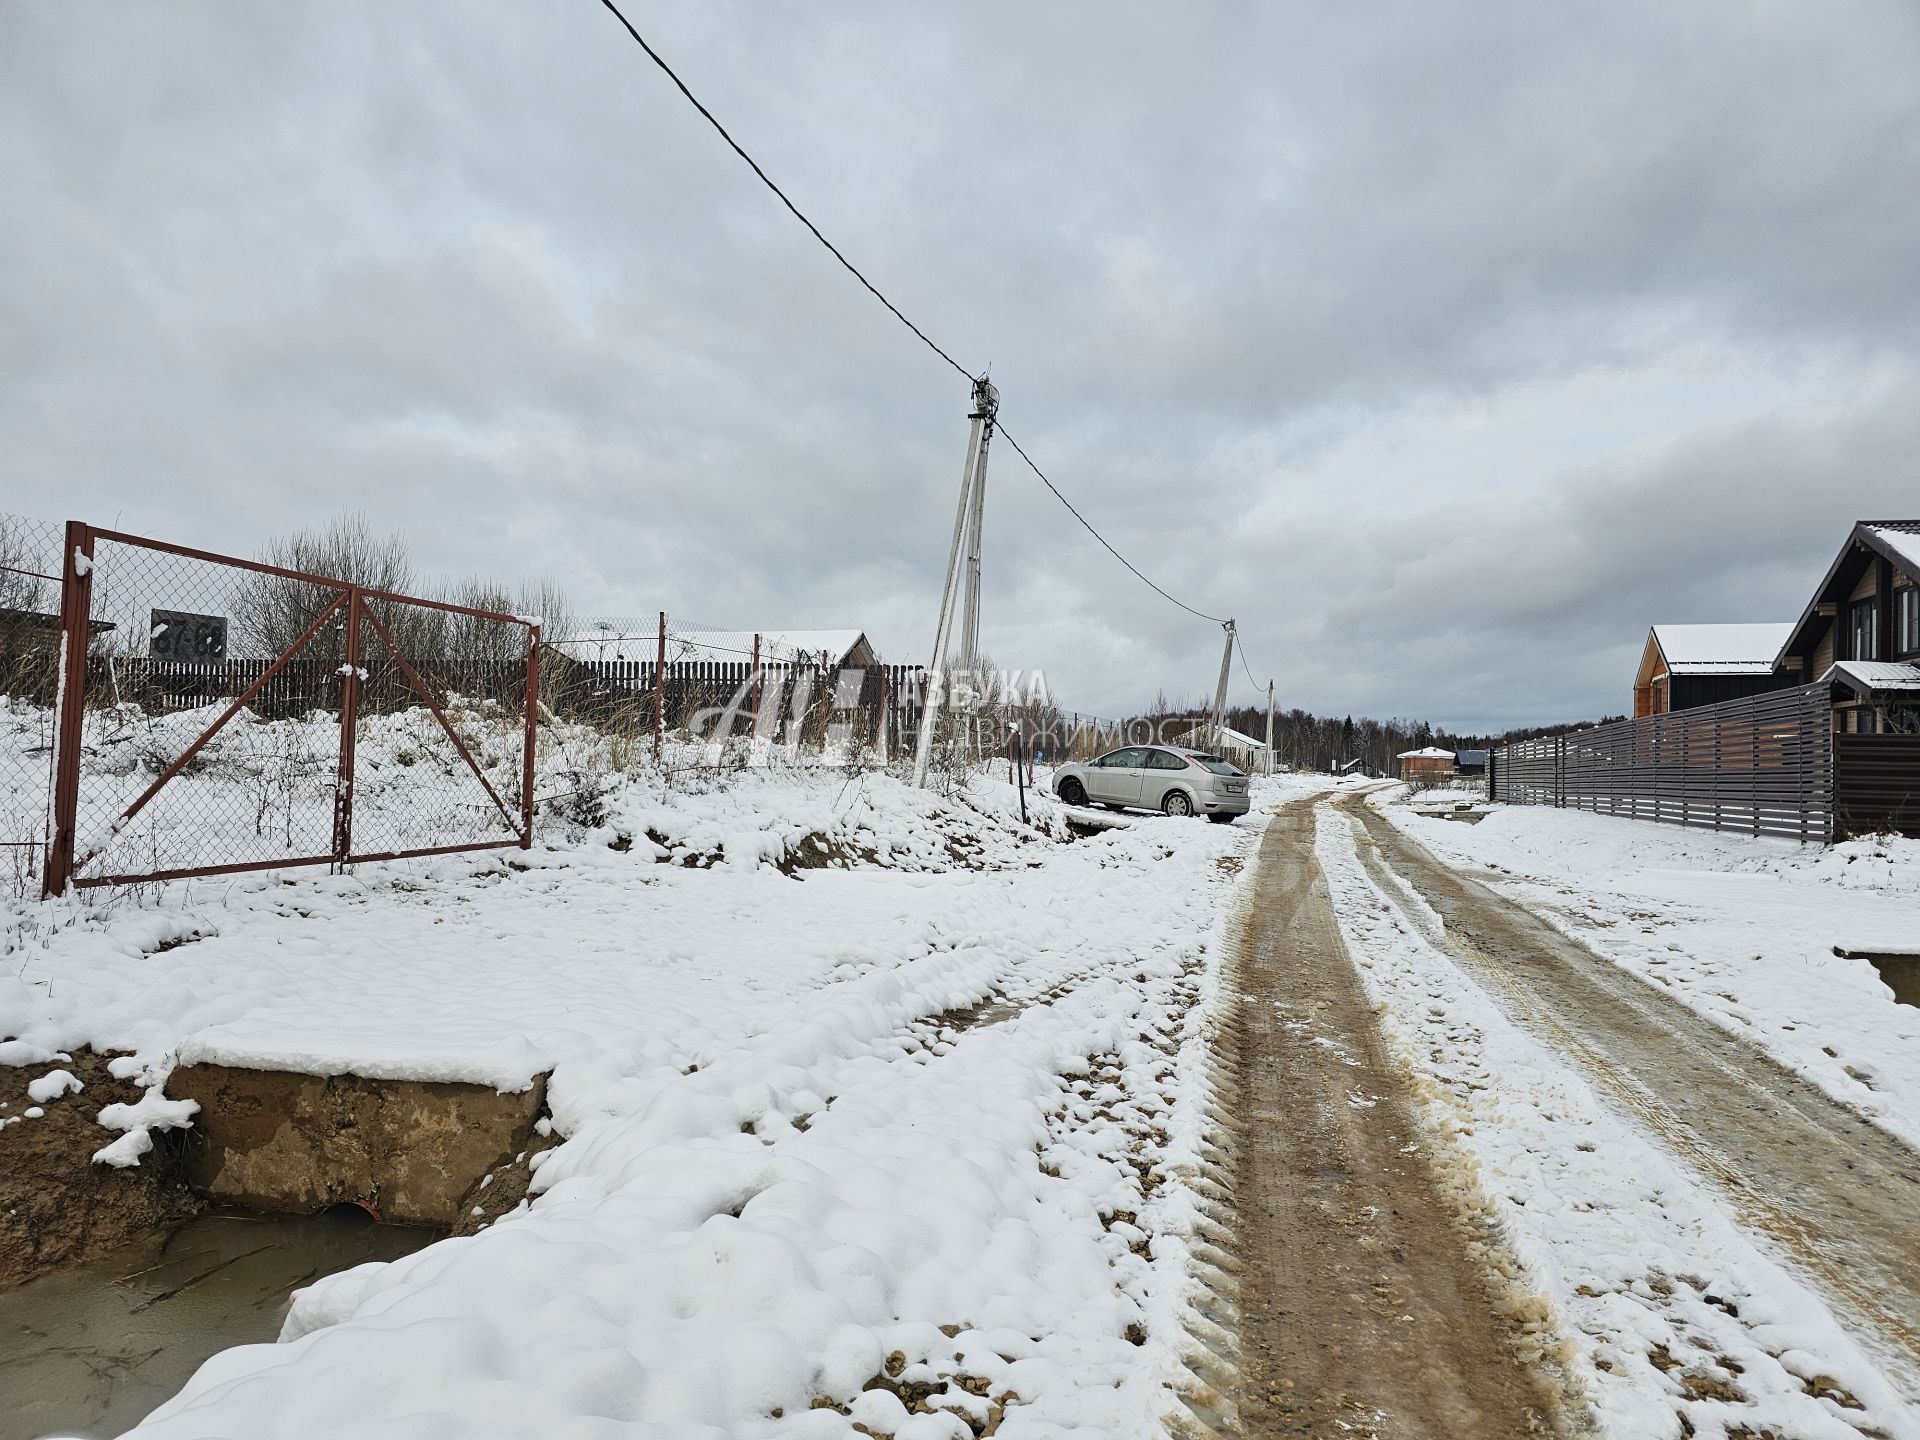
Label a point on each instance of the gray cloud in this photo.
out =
(1446, 348)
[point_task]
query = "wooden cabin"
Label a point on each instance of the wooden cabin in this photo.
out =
(1429, 763)
(1687, 665)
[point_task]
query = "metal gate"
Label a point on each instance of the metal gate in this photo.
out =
(346, 723)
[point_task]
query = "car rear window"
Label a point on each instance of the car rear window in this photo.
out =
(1215, 764)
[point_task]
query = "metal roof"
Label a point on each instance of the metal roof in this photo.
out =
(1745, 649)
(1874, 676)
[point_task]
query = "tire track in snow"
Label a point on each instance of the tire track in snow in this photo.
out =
(1365, 1306)
(1677, 1322)
(1835, 1193)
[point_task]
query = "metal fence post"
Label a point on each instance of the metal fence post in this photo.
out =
(349, 726)
(660, 693)
(531, 742)
(754, 729)
(70, 706)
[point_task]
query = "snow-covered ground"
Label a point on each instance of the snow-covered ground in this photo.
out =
(1743, 929)
(806, 1180)
(884, 1110)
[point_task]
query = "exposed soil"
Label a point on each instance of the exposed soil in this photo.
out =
(1363, 1311)
(503, 1187)
(56, 1206)
(1837, 1195)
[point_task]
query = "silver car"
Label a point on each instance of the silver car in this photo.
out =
(1156, 777)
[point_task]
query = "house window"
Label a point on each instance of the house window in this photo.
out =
(1906, 620)
(1863, 630)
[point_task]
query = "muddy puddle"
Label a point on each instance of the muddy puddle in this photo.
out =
(91, 1350)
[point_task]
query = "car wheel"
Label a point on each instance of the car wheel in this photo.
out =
(1073, 792)
(1177, 803)
(1222, 819)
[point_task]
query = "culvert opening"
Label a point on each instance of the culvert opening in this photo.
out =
(1897, 965)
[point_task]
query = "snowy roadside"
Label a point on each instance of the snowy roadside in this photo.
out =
(1680, 1324)
(1742, 929)
(875, 1109)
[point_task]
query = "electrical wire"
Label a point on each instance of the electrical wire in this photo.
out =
(874, 290)
(1201, 614)
(1246, 666)
(752, 164)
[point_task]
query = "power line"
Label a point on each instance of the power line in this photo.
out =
(1216, 619)
(1246, 666)
(872, 289)
(833, 249)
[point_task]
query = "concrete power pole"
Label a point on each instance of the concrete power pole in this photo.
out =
(976, 519)
(968, 662)
(1269, 727)
(966, 541)
(1220, 693)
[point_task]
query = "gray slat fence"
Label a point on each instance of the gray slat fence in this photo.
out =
(1762, 764)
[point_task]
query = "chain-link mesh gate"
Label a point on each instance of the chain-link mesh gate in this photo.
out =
(29, 675)
(219, 715)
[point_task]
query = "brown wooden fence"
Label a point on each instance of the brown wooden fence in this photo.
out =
(719, 698)
(1876, 784)
(1763, 764)
(610, 693)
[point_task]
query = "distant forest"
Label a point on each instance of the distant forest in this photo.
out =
(1324, 742)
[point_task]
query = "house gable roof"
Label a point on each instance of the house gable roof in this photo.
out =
(1899, 541)
(1746, 649)
(1896, 540)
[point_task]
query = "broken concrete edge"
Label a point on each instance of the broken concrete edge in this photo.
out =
(406, 1151)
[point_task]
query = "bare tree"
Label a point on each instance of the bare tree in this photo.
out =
(271, 612)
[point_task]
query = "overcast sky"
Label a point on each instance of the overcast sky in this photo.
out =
(1447, 347)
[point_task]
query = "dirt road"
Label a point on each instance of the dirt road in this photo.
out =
(1836, 1195)
(1361, 1311)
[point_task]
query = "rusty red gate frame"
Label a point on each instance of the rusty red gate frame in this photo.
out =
(76, 605)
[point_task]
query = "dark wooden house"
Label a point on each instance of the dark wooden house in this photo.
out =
(1687, 665)
(1861, 631)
